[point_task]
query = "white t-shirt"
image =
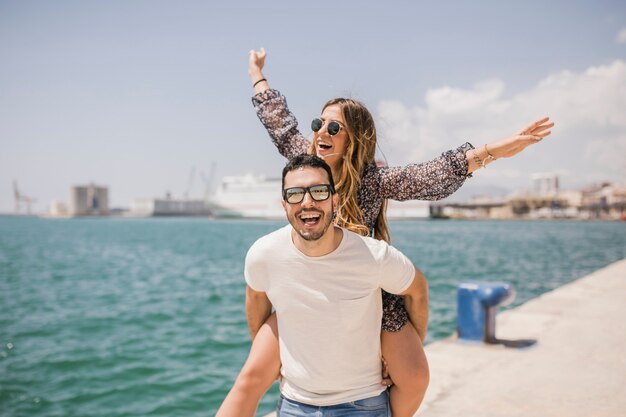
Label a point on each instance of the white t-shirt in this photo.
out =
(329, 311)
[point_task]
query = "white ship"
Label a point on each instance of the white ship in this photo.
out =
(257, 196)
(252, 196)
(168, 206)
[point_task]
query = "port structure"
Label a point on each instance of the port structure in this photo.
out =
(21, 200)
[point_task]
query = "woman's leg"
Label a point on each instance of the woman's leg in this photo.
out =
(406, 361)
(257, 375)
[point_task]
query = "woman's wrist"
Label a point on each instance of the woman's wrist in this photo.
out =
(259, 81)
(495, 149)
(259, 84)
(488, 157)
(255, 74)
(483, 156)
(480, 157)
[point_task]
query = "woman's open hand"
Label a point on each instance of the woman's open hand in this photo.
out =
(513, 145)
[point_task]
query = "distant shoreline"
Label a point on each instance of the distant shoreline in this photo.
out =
(393, 220)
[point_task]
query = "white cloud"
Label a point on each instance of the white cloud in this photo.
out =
(621, 36)
(588, 142)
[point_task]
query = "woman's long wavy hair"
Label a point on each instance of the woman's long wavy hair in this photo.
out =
(360, 151)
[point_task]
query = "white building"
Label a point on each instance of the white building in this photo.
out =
(546, 183)
(89, 200)
(58, 209)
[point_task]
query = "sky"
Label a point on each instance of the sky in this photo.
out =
(146, 96)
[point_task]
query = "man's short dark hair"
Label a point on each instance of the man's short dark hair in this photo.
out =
(305, 160)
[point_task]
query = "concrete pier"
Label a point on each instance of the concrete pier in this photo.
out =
(576, 368)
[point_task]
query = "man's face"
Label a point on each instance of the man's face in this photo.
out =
(309, 218)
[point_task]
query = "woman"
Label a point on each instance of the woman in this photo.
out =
(345, 136)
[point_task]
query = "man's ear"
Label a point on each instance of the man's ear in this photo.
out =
(284, 205)
(335, 201)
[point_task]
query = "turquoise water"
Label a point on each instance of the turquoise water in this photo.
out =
(130, 317)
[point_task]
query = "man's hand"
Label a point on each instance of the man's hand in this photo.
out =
(258, 309)
(387, 381)
(416, 303)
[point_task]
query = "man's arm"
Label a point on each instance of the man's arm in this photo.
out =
(258, 309)
(416, 303)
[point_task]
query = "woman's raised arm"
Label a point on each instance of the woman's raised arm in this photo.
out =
(256, 62)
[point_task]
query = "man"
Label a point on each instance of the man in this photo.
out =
(324, 283)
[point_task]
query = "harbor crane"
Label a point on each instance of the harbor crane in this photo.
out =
(208, 180)
(21, 199)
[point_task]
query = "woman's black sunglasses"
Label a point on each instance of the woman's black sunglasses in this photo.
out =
(295, 195)
(333, 127)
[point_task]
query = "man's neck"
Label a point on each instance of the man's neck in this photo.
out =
(320, 247)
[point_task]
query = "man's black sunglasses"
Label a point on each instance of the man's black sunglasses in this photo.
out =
(333, 128)
(295, 195)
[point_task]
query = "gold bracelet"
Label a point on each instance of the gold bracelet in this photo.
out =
(489, 157)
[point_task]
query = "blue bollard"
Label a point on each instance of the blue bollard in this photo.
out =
(476, 309)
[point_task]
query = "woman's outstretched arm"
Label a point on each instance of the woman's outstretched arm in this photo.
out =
(442, 176)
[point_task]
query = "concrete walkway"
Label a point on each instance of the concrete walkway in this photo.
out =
(577, 367)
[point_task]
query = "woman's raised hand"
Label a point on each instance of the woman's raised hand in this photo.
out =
(513, 145)
(256, 61)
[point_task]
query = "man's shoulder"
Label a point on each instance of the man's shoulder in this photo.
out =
(277, 238)
(374, 246)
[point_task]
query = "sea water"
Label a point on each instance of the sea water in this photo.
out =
(145, 317)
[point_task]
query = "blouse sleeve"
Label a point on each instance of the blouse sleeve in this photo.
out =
(280, 123)
(433, 180)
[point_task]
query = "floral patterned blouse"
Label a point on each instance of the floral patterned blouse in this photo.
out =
(432, 180)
